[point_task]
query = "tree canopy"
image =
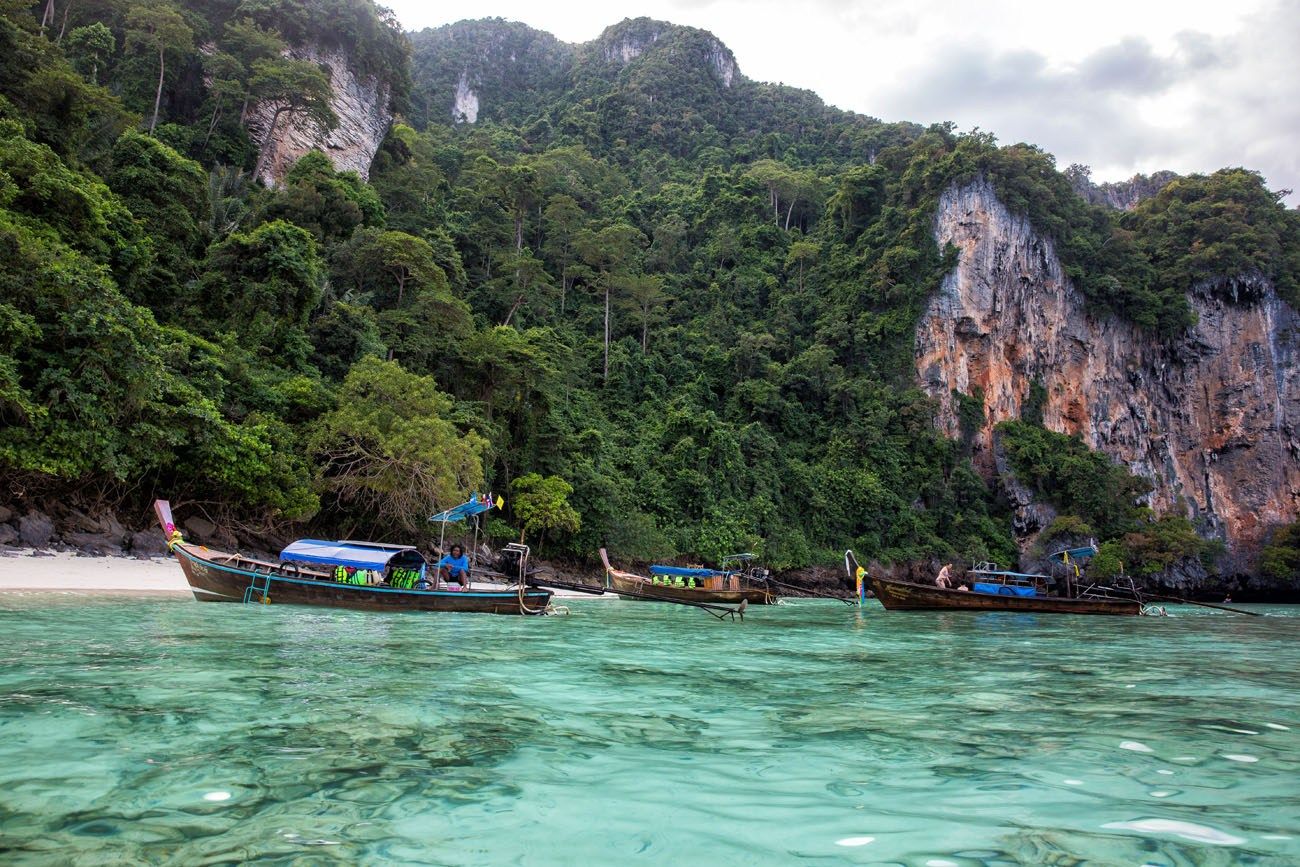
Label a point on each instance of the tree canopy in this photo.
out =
(670, 309)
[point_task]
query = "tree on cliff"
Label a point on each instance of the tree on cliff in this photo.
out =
(297, 89)
(160, 28)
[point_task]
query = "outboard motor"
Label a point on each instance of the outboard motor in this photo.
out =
(513, 561)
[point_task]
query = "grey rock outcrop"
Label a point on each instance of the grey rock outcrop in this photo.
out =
(35, 530)
(101, 535)
(465, 107)
(628, 40)
(1211, 419)
(202, 529)
(8, 535)
(361, 103)
(147, 543)
(1123, 195)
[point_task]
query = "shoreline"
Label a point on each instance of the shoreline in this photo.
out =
(24, 570)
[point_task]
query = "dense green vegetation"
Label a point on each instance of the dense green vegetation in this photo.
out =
(1098, 500)
(1280, 558)
(670, 312)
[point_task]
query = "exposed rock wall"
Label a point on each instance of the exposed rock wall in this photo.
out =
(465, 107)
(1123, 195)
(362, 106)
(1212, 419)
(625, 42)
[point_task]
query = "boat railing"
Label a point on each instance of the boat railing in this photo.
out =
(1123, 588)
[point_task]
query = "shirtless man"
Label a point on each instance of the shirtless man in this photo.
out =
(943, 580)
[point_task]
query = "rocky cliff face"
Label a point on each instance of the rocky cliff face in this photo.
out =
(1123, 195)
(625, 42)
(1213, 419)
(362, 106)
(465, 107)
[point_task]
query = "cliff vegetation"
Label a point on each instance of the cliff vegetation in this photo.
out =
(679, 302)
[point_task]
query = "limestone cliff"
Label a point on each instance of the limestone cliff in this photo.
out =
(1212, 419)
(628, 40)
(361, 104)
(1121, 195)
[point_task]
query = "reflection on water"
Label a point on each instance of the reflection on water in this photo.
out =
(170, 731)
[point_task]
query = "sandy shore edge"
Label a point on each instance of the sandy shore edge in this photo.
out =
(25, 571)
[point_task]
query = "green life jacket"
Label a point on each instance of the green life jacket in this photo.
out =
(340, 574)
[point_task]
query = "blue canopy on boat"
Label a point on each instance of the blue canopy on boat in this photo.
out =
(476, 505)
(685, 571)
(358, 555)
(1074, 553)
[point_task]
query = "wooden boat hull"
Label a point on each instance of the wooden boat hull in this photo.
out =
(907, 596)
(217, 577)
(628, 583)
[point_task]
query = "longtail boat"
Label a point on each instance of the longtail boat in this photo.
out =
(991, 589)
(324, 573)
(690, 585)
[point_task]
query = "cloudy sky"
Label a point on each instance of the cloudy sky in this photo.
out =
(1123, 86)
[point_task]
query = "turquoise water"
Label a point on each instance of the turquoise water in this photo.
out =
(168, 731)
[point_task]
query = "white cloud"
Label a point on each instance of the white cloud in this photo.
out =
(1120, 85)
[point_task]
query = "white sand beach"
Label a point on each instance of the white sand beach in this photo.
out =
(22, 571)
(65, 571)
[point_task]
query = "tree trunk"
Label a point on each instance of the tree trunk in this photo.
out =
(606, 373)
(645, 329)
(519, 299)
(47, 17)
(212, 125)
(788, 212)
(519, 231)
(266, 145)
(157, 97)
(63, 28)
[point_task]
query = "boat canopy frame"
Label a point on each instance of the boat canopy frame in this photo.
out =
(994, 571)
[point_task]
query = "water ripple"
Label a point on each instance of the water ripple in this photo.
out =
(149, 731)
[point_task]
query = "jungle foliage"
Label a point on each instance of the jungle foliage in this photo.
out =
(670, 308)
(1100, 500)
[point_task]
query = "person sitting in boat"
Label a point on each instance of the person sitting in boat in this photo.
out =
(944, 580)
(454, 566)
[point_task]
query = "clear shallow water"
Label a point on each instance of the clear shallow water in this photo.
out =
(165, 731)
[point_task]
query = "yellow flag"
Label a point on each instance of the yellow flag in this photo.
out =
(501, 502)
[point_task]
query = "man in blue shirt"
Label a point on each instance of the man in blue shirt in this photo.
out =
(454, 566)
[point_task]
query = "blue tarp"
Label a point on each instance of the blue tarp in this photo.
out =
(1003, 589)
(1074, 553)
(474, 506)
(685, 572)
(358, 555)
